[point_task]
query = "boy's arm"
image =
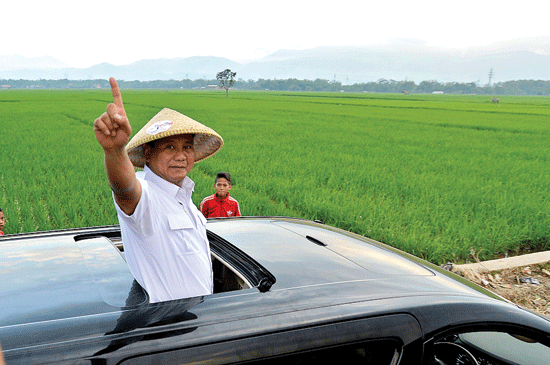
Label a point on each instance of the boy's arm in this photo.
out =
(203, 208)
(112, 130)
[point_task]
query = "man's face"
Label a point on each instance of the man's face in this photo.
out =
(172, 157)
(222, 187)
(2, 221)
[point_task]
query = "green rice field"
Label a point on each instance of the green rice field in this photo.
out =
(444, 177)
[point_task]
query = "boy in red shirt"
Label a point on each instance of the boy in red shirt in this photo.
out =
(220, 204)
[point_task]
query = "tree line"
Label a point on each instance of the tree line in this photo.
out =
(518, 87)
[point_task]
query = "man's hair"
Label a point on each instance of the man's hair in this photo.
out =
(225, 175)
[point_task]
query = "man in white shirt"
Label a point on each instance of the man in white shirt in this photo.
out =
(163, 233)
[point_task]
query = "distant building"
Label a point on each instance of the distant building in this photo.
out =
(6, 87)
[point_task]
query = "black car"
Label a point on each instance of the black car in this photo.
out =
(286, 291)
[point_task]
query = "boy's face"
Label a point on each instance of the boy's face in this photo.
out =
(222, 187)
(2, 221)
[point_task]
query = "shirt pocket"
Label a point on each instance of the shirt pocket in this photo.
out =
(181, 234)
(179, 221)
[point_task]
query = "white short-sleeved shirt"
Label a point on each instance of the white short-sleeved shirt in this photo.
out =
(165, 241)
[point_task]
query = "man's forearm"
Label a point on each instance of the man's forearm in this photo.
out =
(122, 179)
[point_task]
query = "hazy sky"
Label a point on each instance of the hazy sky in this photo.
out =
(85, 33)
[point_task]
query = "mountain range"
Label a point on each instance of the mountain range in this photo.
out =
(400, 59)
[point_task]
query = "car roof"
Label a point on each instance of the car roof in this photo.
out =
(300, 253)
(61, 274)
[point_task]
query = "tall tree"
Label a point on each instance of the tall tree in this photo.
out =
(226, 78)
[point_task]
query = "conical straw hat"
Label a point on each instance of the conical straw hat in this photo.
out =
(167, 123)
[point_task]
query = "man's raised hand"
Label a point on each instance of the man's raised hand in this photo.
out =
(112, 128)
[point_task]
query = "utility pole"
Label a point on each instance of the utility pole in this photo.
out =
(490, 76)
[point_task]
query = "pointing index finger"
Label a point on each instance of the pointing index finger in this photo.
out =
(117, 97)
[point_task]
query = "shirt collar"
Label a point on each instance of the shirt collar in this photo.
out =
(221, 200)
(188, 185)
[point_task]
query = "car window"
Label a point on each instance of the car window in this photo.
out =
(490, 348)
(512, 348)
(226, 277)
(380, 352)
(384, 340)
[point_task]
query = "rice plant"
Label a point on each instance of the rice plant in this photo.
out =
(435, 175)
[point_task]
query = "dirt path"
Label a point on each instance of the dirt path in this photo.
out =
(528, 286)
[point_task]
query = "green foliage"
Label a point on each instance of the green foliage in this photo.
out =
(225, 80)
(438, 176)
